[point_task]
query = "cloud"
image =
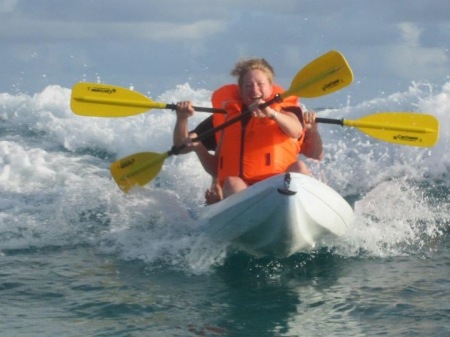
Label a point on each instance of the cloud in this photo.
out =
(158, 44)
(154, 31)
(411, 59)
(7, 6)
(410, 33)
(191, 31)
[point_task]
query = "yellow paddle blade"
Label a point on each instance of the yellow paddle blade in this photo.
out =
(103, 100)
(326, 74)
(329, 73)
(403, 128)
(137, 169)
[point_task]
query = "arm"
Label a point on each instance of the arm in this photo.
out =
(312, 146)
(287, 121)
(182, 136)
(180, 132)
(204, 126)
(207, 159)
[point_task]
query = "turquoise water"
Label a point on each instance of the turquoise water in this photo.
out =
(75, 291)
(80, 258)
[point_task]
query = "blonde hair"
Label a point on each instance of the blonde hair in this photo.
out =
(243, 66)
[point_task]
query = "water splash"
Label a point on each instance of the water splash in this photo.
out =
(56, 188)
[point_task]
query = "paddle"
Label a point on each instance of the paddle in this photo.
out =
(104, 100)
(326, 74)
(405, 128)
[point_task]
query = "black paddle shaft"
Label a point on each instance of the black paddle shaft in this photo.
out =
(173, 106)
(177, 149)
(330, 121)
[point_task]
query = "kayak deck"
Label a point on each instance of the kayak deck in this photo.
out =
(279, 216)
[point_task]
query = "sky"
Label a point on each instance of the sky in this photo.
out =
(154, 45)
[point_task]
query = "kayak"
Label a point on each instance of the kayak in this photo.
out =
(279, 216)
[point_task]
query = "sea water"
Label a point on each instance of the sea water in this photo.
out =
(78, 257)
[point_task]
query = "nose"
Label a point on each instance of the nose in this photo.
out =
(254, 88)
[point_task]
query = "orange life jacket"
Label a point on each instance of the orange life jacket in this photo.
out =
(258, 150)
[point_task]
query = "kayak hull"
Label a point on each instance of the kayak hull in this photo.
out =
(279, 216)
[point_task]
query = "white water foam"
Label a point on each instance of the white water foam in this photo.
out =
(56, 188)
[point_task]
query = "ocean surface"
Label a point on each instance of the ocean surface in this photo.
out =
(80, 258)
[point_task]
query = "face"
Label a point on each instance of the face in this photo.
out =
(255, 86)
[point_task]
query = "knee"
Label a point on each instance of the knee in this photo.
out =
(233, 185)
(299, 167)
(232, 182)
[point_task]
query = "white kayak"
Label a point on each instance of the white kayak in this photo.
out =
(279, 216)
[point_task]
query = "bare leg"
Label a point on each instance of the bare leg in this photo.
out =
(300, 167)
(233, 185)
(214, 193)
